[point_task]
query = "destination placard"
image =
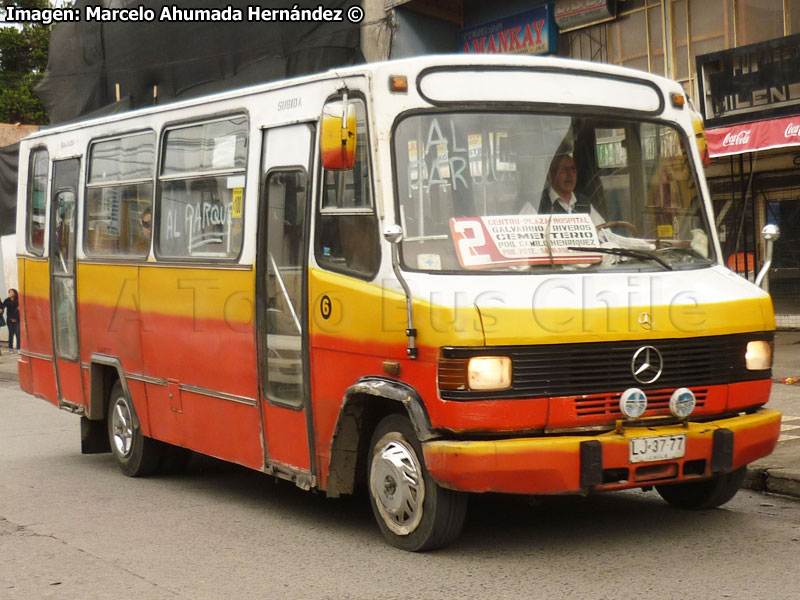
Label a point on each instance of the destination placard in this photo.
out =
(504, 240)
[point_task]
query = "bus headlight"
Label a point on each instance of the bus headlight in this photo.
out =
(489, 373)
(758, 356)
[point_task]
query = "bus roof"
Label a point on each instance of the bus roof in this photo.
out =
(404, 66)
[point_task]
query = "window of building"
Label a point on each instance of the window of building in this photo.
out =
(793, 17)
(629, 41)
(37, 201)
(347, 228)
(201, 190)
(758, 21)
(634, 39)
(119, 195)
(698, 27)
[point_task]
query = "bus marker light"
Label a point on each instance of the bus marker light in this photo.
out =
(398, 84)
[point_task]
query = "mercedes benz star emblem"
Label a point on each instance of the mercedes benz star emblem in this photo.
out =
(647, 365)
(644, 320)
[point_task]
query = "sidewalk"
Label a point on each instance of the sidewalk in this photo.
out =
(778, 473)
(8, 364)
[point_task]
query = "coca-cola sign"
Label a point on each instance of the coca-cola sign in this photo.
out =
(736, 138)
(792, 130)
(761, 135)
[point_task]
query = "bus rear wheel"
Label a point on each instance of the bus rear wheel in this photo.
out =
(135, 454)
(413, 511)
(699, 495)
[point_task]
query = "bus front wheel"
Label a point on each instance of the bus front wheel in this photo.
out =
(135, 454)
(413, 512)
(699, 495)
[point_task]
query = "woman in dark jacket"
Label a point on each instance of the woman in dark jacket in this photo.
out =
(11, 307)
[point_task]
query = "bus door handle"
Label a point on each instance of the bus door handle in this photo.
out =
(174, 392)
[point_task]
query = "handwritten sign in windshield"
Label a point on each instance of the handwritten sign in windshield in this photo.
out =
(504, 240)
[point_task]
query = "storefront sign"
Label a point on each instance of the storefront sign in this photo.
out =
(751, 83)
(580, 13)
(530, 32)
(761, 135)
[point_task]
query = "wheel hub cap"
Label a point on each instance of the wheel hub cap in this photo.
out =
(398, 486)
(122, 428)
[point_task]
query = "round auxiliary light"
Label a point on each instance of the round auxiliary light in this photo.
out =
(682, 402)
(633, 403)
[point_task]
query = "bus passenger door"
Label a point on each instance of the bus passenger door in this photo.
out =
(62, 282)
(281, 293)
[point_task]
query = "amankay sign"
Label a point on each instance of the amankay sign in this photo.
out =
(530, 32)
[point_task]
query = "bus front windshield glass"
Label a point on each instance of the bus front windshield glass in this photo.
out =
(541, 192)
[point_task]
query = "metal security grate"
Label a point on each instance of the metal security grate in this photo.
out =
(605, 367)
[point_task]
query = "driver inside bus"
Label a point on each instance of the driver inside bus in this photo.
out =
(559, 196)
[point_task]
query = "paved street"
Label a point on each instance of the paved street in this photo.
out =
(72, 526)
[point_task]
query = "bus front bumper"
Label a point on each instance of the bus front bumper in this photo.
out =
(564, 464)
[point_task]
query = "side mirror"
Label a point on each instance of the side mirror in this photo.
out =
(770, 233)
(338, 136)
(393, 234)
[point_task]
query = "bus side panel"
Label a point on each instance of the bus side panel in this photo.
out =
(338, 356)
(108, 315)
(198, 344)
(24, 368)
(365, 326)
(37, 327)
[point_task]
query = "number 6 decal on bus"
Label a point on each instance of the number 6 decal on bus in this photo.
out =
(470, 241)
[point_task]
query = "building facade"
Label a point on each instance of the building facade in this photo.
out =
(739, 61)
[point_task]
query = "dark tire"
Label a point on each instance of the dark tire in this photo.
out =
(413, 511)
(699, 495)
(135, 454)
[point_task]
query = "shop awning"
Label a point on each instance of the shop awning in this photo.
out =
(749, 137)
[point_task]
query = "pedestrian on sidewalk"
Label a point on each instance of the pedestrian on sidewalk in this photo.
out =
(11, 306)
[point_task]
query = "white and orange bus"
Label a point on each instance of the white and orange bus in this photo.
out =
(431, 277)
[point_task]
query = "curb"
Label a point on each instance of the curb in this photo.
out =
(785, 482)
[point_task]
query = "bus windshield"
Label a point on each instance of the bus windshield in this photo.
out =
(525, 192)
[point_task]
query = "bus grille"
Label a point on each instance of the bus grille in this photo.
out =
(607, 405)
(605, 367)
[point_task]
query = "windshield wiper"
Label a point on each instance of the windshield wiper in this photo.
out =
(643, 254)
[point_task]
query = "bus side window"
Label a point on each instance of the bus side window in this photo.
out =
(119, 195)
(347, 228)
(37, 201)
(201, 187)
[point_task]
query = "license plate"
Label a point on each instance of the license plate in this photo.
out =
(650, 449)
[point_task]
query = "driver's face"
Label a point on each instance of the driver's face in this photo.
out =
(565, 176)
